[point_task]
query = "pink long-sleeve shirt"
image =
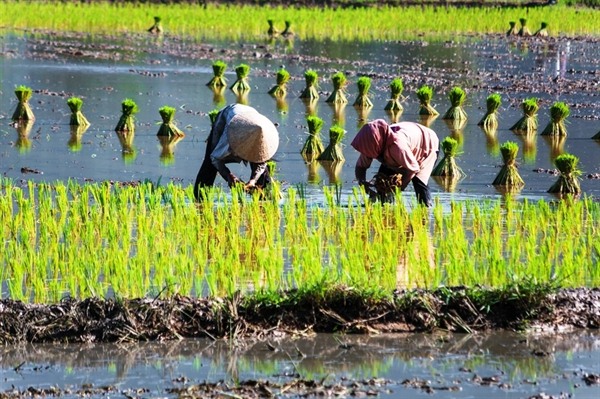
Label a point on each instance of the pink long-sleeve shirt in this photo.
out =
(404, 145)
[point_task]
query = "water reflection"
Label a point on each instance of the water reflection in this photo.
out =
(76, 133)
(529, 140)
(556, 144)
(333, 169)
(128, 150)
(395, 115)
(168, 144)
(339, 113)
(23, 129)
(491, 140)
(218, 99)
(456, 128)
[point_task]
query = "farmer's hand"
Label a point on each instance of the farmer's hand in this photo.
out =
(233, 180)
(367, 186)
(251, 185)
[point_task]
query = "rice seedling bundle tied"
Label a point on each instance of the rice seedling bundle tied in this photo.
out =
(447, 167)
(528, 123)
(338, 96)
(287, 31)
(168, 127)
(457, 97)
(23, 111)
(77, 117)
(362, 100)
(313, 146)
(311, 79)
(490, 119)
(513, 30)
(425, 94)
(568, 181)
(396, 89)
(280, 89)
(558, 114)
(333, 151)
(157, 27)
(241, 85)
(509, 175)
(127, 121)
(524, 31)
(218, 80)
(543, 31)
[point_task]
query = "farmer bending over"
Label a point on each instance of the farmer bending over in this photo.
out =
(239, 134)
(404, 148)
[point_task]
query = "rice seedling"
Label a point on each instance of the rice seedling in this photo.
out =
(568, 180)
(543, 31)
(311, 79)
(157, 26)
(77, 117)
(338, 95)
(513, 30)
(280, 88)
(524, 30)
(168, 127)
(447, 167)
(457, 97)
(241, 84)
(509, 175)
(558, 114)
(218, 80)
(272, 31)
(313, 146)
(396, 89)
(490, 119)
(362, 100)
(528, 123)
(287, 31)
(333, 151)
(425, 94)
(23, 112)
(127, 121)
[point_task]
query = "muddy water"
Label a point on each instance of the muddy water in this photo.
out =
(497, 365)
(173, 73)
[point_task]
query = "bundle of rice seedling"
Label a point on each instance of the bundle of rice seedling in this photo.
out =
(77, 117)
(568, 181)
(280, 89)
(313, 146)
(241, 84)
(457, 97)
(396, 88)
(168, 127)
(513, 31)
(272, 30)
(333, 151)
(338, 96)
(310, 91)
(23, 111)
(490, 119)
(157, 27)
(524, 31)
(558, 114)
(218, 79)
(362, 100)
(126, 122)
(386, 185)
(509, 175)
(543, 31)
(528, 122)
(212, 115)
(447, 167)
(425, 94)
(287, 31)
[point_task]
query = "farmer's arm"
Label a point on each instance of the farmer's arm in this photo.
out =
(360, 172)
(219, 157)
(258, 169)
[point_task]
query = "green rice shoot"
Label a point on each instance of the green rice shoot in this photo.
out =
(568, 180)
(447, 167)
(490, 119)
(338, 95)
(362, 100)
(457, 97)
(280, 88)
(333, 151)
(396, 89)
(509, 175)
(310, 92)
(168, 127)
(218, 80)
(425, 94)
(23, 111)
(241, 84)
(559, 111)
(77, 117)
(127, 121)
(313, 146)
(528, 123)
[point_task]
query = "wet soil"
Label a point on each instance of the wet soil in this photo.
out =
(340, 310)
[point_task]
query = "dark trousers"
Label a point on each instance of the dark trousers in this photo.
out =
(421, 189)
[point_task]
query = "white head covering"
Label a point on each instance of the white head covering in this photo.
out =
(252, 136)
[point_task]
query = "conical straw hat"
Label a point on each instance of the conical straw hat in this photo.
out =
(252, 137)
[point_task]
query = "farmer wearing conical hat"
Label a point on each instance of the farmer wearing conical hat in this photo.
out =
(238, 134)
(405, 148)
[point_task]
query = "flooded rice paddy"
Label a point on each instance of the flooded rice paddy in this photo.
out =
(168, 71)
